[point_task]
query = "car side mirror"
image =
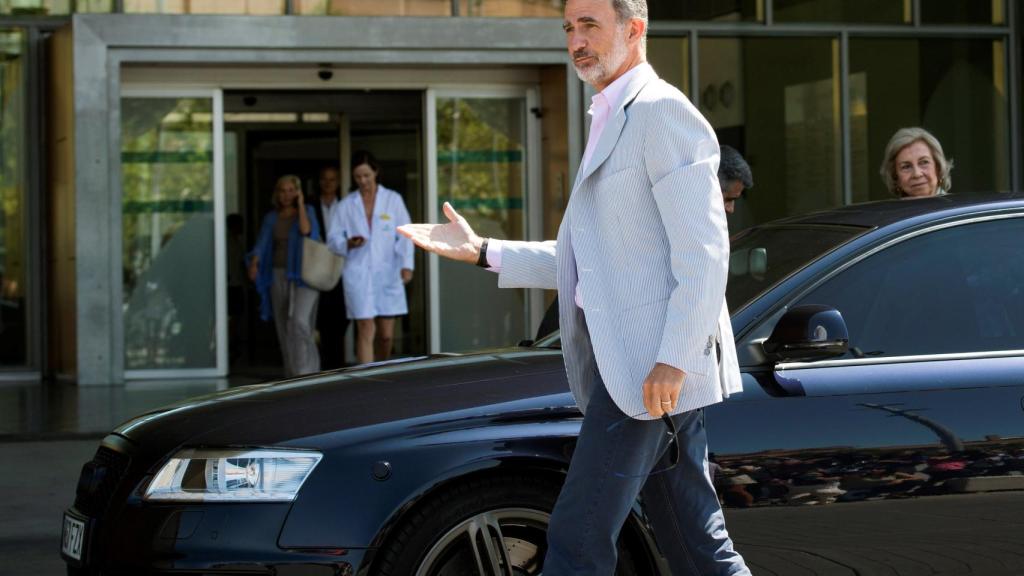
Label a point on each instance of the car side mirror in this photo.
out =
(806, 333)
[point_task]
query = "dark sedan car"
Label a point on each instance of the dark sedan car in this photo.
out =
(880, 431)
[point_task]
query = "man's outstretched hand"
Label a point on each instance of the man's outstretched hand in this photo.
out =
(455, 240)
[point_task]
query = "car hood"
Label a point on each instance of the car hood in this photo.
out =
(309, 410)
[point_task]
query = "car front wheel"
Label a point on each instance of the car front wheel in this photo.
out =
(485, 526)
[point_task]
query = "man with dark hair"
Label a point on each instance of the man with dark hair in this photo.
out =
(331, 317)
(733, 176)
(640, 265)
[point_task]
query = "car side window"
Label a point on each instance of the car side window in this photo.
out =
(954, 290)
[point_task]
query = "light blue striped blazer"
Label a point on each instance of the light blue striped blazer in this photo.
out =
(645, 236)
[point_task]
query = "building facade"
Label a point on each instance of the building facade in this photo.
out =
(132, 129)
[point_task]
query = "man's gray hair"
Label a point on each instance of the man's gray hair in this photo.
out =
(905, 137)
(732, 167)
(625, 10)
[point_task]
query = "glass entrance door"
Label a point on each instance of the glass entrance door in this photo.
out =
(17, 329)
(174, 295)
(478, 143)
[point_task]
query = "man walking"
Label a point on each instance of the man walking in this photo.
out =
(640, 265)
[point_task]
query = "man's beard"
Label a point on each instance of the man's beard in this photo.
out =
(606, 66)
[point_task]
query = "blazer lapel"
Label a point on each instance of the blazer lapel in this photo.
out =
(604, 146)
(616, 123)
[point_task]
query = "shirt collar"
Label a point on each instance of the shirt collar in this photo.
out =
(613, 93)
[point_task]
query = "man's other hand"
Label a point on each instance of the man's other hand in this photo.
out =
(454, 240)
(661, 389)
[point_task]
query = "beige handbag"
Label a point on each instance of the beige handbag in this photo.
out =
(321, 268)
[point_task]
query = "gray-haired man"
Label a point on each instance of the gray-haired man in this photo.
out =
(640, 265)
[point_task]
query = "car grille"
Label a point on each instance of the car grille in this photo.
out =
(98, 481)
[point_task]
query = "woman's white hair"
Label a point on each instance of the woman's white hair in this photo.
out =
(905, 137)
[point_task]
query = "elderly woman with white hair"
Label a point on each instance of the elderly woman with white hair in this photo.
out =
(914, 165)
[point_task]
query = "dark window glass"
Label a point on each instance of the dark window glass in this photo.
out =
(783, 119)
(721, 10)
(860, 11)
(954, 88)
(762, 257)
(955, 290)
(672, 57)
(963, 11)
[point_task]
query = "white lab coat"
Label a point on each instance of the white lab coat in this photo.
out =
(372, 275)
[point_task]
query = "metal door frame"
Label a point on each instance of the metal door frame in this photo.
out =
(533, 197)
(220, 245)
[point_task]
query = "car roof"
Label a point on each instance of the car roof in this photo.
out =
(885, 212)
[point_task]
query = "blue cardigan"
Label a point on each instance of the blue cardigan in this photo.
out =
(265, 250)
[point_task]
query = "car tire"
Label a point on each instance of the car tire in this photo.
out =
(453, 531)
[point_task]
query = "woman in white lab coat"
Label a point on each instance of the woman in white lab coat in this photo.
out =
(378, 260)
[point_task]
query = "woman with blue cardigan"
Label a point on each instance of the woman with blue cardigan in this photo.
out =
(275, 265)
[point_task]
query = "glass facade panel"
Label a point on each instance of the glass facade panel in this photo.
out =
(861, 11)
(672, 58)
(783, 118)
(14, 264)
(963, 11)
(720, 10)
(374, 7)
(252, 7)
(481, 170)
(512, 8)
(35, 7)
(168, 233)
(94, 6)
(956, 89)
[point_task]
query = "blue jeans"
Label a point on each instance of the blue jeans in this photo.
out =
(609, 469)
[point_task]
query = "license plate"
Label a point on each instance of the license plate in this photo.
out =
(72, 537)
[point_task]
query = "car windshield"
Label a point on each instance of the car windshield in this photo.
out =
(764, 256)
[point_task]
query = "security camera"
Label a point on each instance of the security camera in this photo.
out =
(325, 75)
(249, 101)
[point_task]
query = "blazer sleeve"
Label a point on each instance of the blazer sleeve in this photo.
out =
(681, 156)
(528, 265)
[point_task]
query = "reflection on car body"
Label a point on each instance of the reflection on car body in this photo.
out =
(880, 430)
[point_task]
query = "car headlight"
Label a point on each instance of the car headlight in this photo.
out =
(200, 475)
